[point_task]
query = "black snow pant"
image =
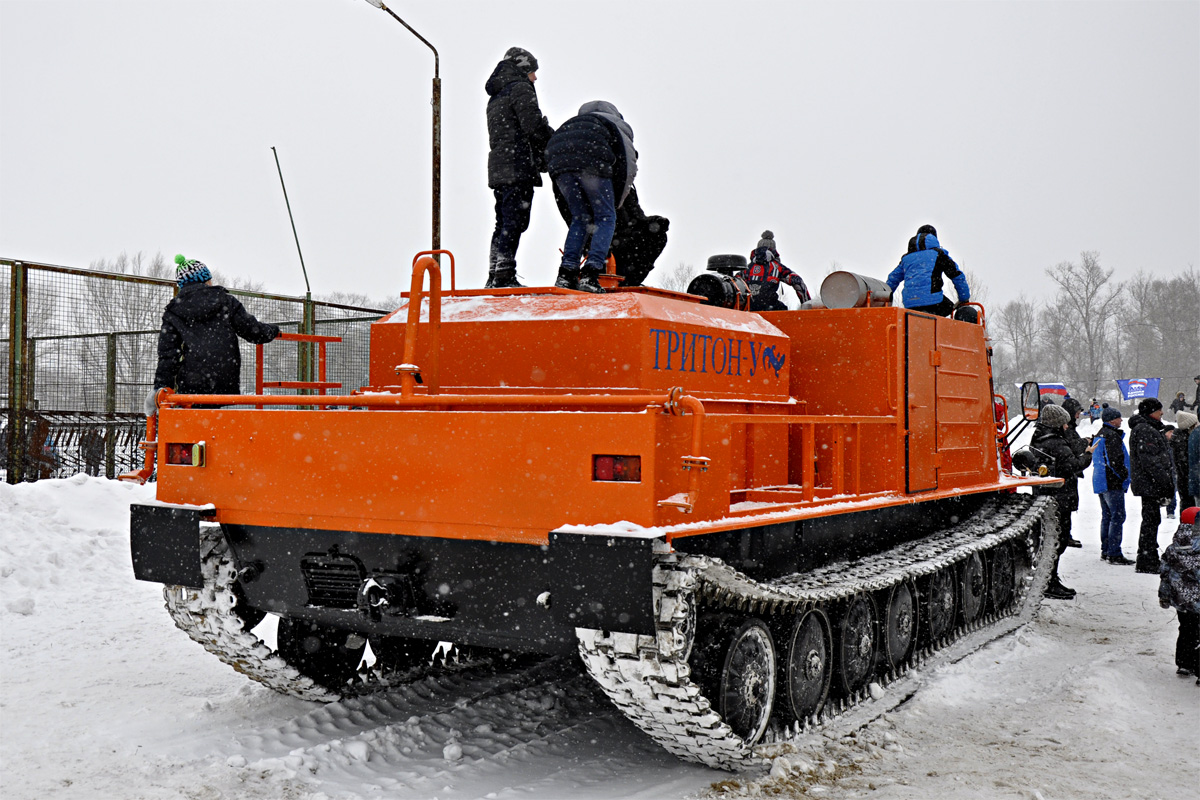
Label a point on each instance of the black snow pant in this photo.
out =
(1147, 557)
(1064, 536)
(1187, 646)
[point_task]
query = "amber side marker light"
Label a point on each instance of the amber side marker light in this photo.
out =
(617, 468)
(189, 454)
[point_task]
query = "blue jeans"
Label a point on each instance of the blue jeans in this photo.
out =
(1112, 519)
(593, 211)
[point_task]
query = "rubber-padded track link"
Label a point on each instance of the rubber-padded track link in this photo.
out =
(649, 679)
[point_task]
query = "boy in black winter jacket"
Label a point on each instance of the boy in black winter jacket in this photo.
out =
(198, 349)
(1153, 479)
(1050, 437)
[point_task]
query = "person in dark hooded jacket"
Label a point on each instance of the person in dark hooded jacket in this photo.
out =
(593, 163)
(1078, 444)
(517, 136)
(922, 269)
(1152, 477)
(198, 349)
(1050, 437)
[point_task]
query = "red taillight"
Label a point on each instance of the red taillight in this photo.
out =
(190, 454)
(617, 468)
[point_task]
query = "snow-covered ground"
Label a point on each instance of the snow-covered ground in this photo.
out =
(102, 697)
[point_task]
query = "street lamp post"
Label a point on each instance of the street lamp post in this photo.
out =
(437, 128)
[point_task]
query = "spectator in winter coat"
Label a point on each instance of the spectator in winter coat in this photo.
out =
(764, 274)
(922, 270)
(593, 163)
(1050, 437)
(1150, 460)
(1179, 403)
(198, 349)
(1195, 404)
(1180, 587)
(1193, 459)
(1078, 445)
(1181, 442)
(517, 136)
(1095, 410)
(1110, 480)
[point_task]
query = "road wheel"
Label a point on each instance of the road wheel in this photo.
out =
(327, 656)
(857, 644)
(974, 586)
(940, 605)
(900, 625)
(809, 668)
(1002, 578)
(736, 662)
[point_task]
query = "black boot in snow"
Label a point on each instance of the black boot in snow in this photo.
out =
(567, 278)
(588, 283)
(503, 278)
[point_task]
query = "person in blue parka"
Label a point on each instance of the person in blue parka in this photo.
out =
(922, 269)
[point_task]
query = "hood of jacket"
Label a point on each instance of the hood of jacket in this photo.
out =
(198, 303)
(1186, 538)
(607, 111)
(506, 72)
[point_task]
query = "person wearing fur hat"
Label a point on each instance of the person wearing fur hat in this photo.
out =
(1179, 586)
(1152, 476)
(517, 136)
(1050, 437)
(764, 274)
(1110, 481)
(198, 349)
(922, 269)
(1181, 442)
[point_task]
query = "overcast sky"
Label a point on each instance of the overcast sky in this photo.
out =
(1025, 131)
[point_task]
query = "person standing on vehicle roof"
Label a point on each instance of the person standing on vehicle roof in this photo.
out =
(1110, 481)
(1050, 437)
(922, 269)
(517, 136)
(1153, 479)
(593, 163)
(764, 274)
(198, 349)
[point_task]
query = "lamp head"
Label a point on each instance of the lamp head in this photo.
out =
(376, 3)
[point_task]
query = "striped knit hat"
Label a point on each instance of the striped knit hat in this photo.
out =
(190, 271)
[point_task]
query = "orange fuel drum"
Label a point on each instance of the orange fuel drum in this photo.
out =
(545, 443)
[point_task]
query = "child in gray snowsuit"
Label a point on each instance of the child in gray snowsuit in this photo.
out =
(1180, 587)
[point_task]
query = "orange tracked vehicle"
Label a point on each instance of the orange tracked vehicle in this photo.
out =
(739, 521)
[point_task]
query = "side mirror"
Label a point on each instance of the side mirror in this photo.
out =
(1031, 400)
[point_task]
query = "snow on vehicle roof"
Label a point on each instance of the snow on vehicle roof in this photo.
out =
(623, 305)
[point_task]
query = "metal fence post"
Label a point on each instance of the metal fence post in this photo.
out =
(305, 365)
(15, 445)
(110, 407)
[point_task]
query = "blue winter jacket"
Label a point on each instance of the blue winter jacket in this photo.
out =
(922, 268)
(1107, 471)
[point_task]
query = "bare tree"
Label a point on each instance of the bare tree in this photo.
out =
(1088, 302)
(677, 278)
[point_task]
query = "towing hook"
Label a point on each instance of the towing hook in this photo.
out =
(372, 598)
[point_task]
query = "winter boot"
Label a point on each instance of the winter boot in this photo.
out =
(567, 278)
(1073, 542)
(588, 283)
(503, 278)
(1056, 591)
(1120, 560)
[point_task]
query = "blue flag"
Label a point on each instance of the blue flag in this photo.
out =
(1137, 388)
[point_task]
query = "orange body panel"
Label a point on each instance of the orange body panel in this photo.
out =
(799, 413)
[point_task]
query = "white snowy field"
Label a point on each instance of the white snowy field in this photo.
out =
(101, 697)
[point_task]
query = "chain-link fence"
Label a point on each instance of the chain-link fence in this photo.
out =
(79, 353)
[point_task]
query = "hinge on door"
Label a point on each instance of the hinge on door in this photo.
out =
(935, 358)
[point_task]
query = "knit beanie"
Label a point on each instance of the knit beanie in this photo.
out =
(1186, 420)
(1188, 517)
(522, 58)
(1149, 405)
(1109, 414)
(190, 271)
(1053, 416)
(767, 241)
(927, 229)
